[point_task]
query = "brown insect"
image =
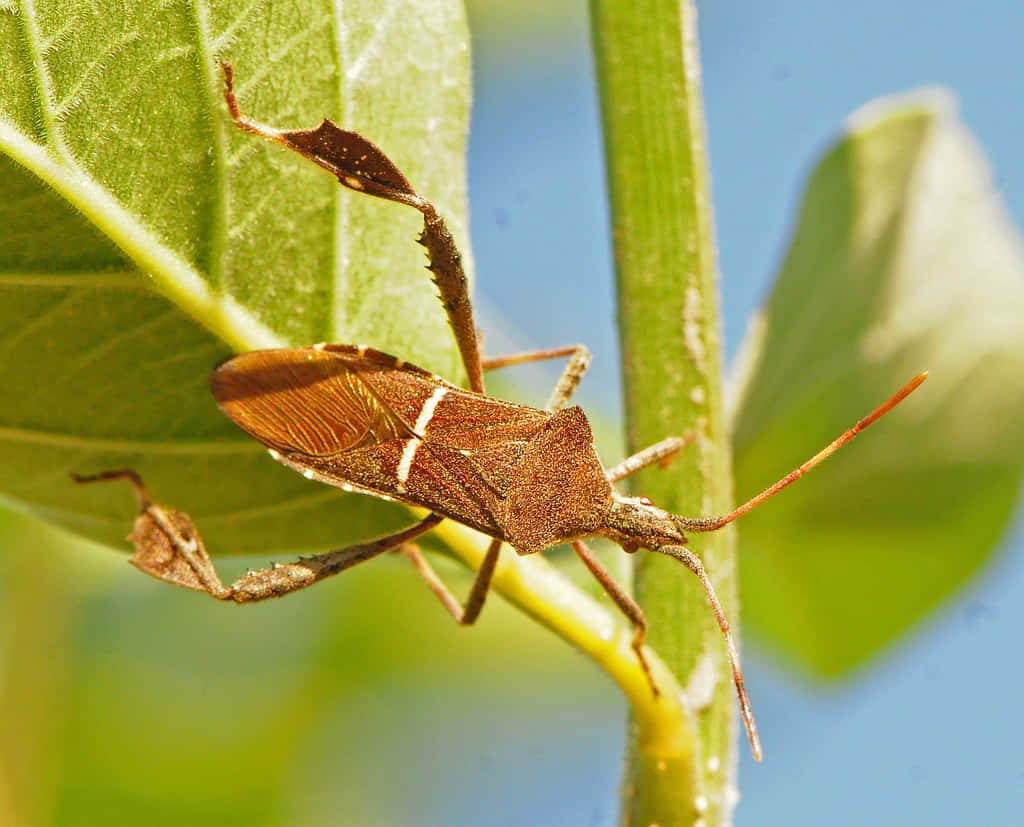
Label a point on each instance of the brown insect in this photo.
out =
(364, 421)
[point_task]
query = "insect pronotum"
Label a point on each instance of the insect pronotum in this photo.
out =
(364, 421)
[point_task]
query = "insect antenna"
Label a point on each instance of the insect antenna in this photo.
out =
(714, 523)
(693, 563)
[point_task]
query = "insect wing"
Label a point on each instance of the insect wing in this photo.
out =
(303, 401)
(355, 417)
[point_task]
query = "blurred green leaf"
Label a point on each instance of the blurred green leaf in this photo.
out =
(142, 237)
(904, 259)
(134, 703)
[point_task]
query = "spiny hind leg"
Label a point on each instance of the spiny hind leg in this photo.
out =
(361, 165)
(168, 547)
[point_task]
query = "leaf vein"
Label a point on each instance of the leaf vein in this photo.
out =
(90, 355)
(243, 18)
(372, 47)
(44, 86)
(140, 80)
(187, 355)
(131, 280)
(40, 321)
(173, 276)
(93, 444)
(76, 96)
(60, 36)
(222, 180)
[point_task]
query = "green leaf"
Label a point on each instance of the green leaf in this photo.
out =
(904, 260)
(143, 238)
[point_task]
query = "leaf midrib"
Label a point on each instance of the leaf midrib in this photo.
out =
(171, 275)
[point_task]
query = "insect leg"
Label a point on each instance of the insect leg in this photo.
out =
(629, 607)
(361, 165)
(168, 547)
(693, 563)
(531, 356)
(579, 361)
(659, 452)
(467, 614)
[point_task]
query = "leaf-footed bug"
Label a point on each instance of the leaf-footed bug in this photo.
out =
(364, 421)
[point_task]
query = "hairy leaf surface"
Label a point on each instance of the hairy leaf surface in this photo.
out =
(143, 239)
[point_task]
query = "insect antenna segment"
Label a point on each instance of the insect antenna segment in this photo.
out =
(715, 523)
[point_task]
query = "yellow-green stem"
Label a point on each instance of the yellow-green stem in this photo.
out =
(649, 77)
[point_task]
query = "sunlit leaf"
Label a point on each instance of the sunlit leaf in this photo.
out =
(142, 238)
(904, 259)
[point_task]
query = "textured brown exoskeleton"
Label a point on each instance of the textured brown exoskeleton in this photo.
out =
(364, 421)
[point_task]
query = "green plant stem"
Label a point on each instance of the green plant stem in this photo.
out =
(663, 724)
(649, 77)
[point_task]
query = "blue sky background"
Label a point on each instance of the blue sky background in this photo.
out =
(931, 734)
